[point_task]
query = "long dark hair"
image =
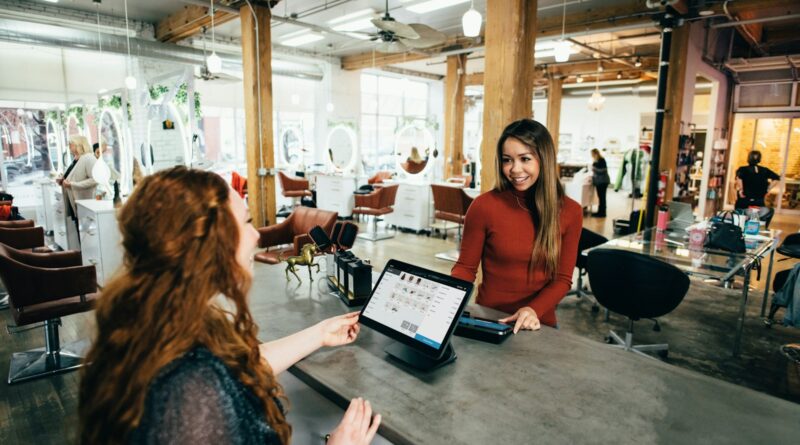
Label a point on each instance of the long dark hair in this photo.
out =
(544, 198)
(180, 239)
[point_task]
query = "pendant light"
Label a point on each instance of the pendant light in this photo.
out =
(471, 22)
(213, 62)
(563, 47)
(130, 81)
(597, 99)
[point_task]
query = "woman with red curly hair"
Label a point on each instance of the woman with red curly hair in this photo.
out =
(176, 358)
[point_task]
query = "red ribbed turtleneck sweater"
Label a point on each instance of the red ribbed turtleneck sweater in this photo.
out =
(499, 234)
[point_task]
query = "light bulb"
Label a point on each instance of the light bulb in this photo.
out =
(130, 82)
(619, 75)
(471, 22)
(214, 63)
(20, 111)
(579, 79)
(562, 50)
(638, 62)
(329, 107)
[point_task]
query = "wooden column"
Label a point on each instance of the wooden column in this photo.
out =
(454, 114)
(554, 85)
(508, 78)
(673, 107)
(257, 67)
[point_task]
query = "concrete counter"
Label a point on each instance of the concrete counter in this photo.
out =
(545, 387)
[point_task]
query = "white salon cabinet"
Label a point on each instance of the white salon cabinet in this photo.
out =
(100, 238)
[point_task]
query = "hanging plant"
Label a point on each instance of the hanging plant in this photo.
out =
(115, 102)
(58, 117)
(156, 91)
(78, 113)
(350, 124)
(181, 96)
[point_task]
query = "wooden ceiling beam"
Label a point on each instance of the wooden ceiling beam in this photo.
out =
(189, 21)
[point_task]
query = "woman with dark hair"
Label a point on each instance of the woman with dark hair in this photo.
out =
(524, 233)
(600, 180)
(753, 182)
(176, 358)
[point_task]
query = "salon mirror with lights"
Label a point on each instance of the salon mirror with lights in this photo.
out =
(167, 139)
(342, 148)
(291, 147)
(111, 142)
(414, 147)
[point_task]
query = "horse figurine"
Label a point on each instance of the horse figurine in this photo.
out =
(306, 258)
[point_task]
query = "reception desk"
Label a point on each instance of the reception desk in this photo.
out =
(547, 386)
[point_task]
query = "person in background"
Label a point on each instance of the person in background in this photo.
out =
(415, 163)
(108, 157)
(78, 182)
(176, 358)
(524, 233)
(753, 182)
(600, 180)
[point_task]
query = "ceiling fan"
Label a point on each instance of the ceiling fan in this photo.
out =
(396, 37)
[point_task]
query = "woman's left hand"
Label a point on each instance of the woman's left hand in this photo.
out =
(525, 318)
(340, 330)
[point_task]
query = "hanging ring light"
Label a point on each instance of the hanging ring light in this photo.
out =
(213, 62)
(471, 22)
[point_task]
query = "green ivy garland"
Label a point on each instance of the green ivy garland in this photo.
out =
(115, 102)
(156, 91)
(58, 117)
(350, 124)
(78, 113)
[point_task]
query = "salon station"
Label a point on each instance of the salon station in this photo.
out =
(360, 134)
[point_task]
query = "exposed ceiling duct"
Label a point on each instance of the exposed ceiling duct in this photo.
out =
(20, 32)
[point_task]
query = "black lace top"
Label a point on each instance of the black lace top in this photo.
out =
(196, 400)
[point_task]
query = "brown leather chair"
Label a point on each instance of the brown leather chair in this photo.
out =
(16, 224)
(22, 237)
(462, 180)
(20, 234)
(293, 231)
(293, 187)
(450, 204)
(376, 203)
(42, 288)
(379, 177)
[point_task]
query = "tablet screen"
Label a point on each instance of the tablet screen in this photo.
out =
(419, 305)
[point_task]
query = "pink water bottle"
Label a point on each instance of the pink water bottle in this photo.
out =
(663, 217)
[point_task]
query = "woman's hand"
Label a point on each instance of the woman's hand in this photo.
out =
(341, 330)
(358, 427)
(525, 318)
(66, 184)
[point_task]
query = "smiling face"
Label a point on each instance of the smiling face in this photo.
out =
(519, 164)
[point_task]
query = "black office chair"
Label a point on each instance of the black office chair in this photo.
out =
(790, 247)
(637, 286)
(588, 240)
(778, 282)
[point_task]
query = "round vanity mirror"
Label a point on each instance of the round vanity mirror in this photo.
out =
(291, 143)
(342, 148)
(413, 147)
(167, 140)
(111, 140)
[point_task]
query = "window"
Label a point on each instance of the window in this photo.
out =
(387, 104)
